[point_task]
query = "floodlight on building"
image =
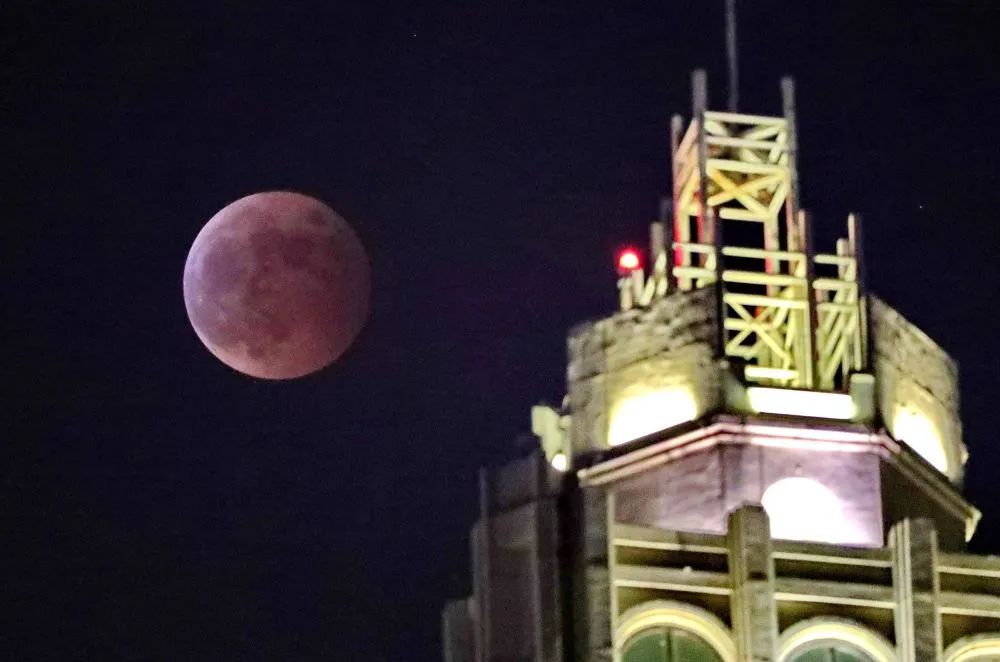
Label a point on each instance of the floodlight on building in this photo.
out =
(805, 509)
(794, 402)
(649, 411)
(918, 431)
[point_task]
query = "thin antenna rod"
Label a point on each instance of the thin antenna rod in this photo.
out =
(732, 56)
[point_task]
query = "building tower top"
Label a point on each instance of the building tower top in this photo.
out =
(791, 317)
(756, 459)
(734, 312)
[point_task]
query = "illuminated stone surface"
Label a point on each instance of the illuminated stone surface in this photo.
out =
(806, 509)
(771, 525)
(917, 389)
(665, 349)
(695, 492)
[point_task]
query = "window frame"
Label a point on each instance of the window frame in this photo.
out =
(671, 614)
(974, 647)
(817, 631)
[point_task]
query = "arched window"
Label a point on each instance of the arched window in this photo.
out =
(668, 631)
(668, 644)
(975, 648)
(831, 651)
(826, 639)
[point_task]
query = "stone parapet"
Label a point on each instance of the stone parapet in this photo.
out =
(666, 350)
(917, 389)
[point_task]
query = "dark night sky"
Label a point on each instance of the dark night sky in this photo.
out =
(491, 155)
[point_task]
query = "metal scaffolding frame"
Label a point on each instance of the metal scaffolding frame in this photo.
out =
(790, 317)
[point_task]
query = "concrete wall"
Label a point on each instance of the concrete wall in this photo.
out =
(697, 492)
(590, 586)
(669, 348)
(917, 385)
(669, 345)
(903, 499)
(516, 565)
(458, 632)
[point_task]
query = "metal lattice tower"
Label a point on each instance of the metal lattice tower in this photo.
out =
(791, 317)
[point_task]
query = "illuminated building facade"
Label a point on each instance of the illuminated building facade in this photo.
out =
(756, 459)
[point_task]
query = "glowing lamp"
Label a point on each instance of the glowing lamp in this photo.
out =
(920, 433)
(560, 462)
(650, 410)
(628, 261)
(792, 402)
(805, 509)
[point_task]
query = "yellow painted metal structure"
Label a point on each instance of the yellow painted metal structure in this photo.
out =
(790, 317)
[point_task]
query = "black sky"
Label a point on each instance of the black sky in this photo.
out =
(491, 155)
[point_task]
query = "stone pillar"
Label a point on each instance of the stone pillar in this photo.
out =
(751, 571)
(457, 632)
(591, 597)
(915, 588)
(547, 597)
(515, 613)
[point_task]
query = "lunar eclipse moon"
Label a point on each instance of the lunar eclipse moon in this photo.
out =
(277, 285)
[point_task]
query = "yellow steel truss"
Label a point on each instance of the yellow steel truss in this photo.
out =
(791, 317)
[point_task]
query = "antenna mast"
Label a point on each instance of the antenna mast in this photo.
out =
(732, 56)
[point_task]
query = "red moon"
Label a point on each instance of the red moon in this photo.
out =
(277, 285)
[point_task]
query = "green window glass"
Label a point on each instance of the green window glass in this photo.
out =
(668, 645)
(831, 652)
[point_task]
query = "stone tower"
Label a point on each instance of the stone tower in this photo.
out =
(756, 459)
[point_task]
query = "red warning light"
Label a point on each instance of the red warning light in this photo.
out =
(628, 261)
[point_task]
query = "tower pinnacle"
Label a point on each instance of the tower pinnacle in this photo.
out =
(791, 317)
(732, 56)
